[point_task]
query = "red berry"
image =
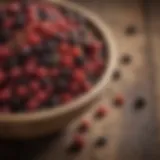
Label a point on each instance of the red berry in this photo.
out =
(32, 105)
(86, 86)
(4, 51)
(5, 109)
(2, 76)
(78, 141)
(119, 100)
(76, 51)
(79, 75)
(41, 96)
(101, 111)
(47, 28)
(35, 85)
(33, 38)
(30, 68)
(66, 97)
(5, 94)
(64, 48)
(84, 125)
(54, 72)
(42, 72)
(31, 14)
(74, 87)
(13, 7)
(22, 90)
(67, 61)
(8, 23)
(15, 72)
(90, 67)
(99, 66)
(95, 47)
(61, 26)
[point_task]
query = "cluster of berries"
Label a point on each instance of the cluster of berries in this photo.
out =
(48, 56)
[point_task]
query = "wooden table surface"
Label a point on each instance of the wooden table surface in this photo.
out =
(132, 133)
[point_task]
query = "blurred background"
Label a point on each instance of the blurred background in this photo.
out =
(130, 131)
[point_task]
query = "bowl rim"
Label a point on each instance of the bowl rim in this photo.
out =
(97, 88)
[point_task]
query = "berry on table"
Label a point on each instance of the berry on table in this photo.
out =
(101, 141)
(84, 126)
(77, 144)
(119, 100)
(101, 111)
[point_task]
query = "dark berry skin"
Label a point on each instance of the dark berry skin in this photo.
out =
(61, 85)
(26, 51)
(73, 40)
(17, 105)
(42, 14)
(101, 141)
(19, 21)
(46, 82)
(2, 17)
(49, 60)
(23, 80)
(57, 38)
(66, 73)
(49, 45)
(10, 63)
(52, 101)
(4, 35)
(38, 49)
(79, 61)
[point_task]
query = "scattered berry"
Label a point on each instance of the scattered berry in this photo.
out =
(84, 126)
(77, 144)
(101, 111)
(119, 100)
(140, 103)
(101, 141)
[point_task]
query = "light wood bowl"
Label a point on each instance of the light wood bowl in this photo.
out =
(29, 125)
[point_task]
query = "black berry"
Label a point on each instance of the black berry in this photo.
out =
(19, 21)
(38, 49)
(46, 82)
(101, 141)
(66, 73)
(79, 61)
(10, 63)
(4, 35)
(42, 14)
(52, 101)
(26, 51)
(140, 103)
(2, 17)
(61, 85)
(16, 104)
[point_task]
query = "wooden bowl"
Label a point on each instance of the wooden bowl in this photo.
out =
(29, 125)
